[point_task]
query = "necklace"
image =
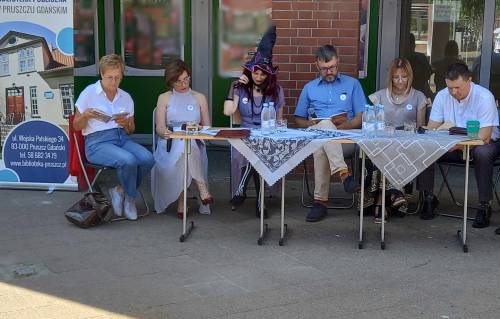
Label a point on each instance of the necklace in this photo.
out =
(256, 107)
(398, 98)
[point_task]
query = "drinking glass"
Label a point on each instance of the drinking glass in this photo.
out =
(389, 130)
(192, 128)
(282, 125)
(410, 127)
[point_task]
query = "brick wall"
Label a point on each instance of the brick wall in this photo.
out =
(302, 26)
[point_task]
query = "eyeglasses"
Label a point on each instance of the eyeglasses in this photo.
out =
(112, 78)
(185, 80)
(329, 68)
(400, 78)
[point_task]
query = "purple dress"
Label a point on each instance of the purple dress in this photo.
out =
(250, 117)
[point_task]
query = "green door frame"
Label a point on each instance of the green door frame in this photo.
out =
(143, 89)
(369, 83)
(220, 85)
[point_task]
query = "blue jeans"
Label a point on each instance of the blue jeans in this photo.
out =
(114, 148)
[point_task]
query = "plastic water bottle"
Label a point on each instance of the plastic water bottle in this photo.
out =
(369, 124)
(272, 117)
(380, 119)
(264, 119)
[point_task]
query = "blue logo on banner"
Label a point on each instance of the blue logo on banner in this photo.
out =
(37, 151)
(65, 41)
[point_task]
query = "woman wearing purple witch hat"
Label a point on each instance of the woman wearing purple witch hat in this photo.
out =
(256, 86)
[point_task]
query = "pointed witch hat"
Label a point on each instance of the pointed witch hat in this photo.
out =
(264, 55)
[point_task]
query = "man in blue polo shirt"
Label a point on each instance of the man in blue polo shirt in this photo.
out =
(329, 94)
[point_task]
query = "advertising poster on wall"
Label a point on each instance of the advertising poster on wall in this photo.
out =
(152, 35)
(36, 93)
(241, 25)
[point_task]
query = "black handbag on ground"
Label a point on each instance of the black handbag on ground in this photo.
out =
(89, 211)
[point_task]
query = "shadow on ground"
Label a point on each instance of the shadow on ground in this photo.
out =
(141, 270)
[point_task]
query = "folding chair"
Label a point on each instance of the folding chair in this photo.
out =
(444, 168)
(448, 165)
(82, 159)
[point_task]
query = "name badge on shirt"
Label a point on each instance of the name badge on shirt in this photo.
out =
(409, 107)
(343, 97)
(244, 100)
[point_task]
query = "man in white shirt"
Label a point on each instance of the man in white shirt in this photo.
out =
(460, 102)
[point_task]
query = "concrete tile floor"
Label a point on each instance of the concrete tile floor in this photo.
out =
(141, 270)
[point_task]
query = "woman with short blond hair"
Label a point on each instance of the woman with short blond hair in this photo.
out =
(105, 114)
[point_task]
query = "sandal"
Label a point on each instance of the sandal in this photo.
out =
(207, 201)
(397, 198)
(205, 196)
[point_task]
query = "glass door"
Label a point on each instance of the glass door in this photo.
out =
(495, 55)
(437, 33)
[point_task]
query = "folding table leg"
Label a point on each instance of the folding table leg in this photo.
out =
(284, 227)
(263, 227)
(362, 200)
(186, 232)
(462, 235)
(382, 225)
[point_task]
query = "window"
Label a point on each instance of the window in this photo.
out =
(34, 102)
(4, 64)
(67, 99)
(436, 34)
(152, 35)
(85, 32)
(26, 60)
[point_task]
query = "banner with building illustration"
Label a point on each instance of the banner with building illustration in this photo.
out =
(36, 93)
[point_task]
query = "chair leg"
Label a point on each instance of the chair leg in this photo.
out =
(145, 205)
(446, 183)
(146, 213)
(497, 179)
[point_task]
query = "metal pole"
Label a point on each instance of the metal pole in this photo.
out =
(283, 207)
(261, 206)
(382, 229)
(466, 193)
(362, 199)
(184, 216)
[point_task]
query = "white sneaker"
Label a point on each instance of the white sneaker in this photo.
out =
(117, 198)
(129, 209)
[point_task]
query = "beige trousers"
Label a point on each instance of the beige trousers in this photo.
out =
(328, 160)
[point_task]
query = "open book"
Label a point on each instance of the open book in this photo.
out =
(105, 117)
(333, 117)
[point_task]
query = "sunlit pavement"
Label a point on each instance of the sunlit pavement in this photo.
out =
(51, 269)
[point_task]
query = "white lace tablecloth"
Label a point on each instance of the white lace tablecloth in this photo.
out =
(273, 156)
(403, 156)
